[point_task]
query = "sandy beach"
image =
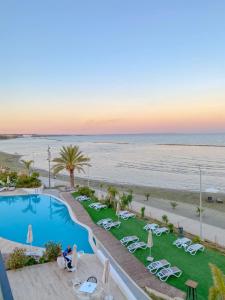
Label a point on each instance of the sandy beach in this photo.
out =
(182, 196)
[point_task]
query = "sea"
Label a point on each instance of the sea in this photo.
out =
(157, 160)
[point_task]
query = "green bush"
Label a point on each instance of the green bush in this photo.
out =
(17, 259)
(171, 227)
(196, 239)
(25, 181)
(165, 219)
(173, 204)
(86, 191)
(30, 261)
(52, 251)
(143, 212)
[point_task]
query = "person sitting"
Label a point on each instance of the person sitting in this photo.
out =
(66, 252)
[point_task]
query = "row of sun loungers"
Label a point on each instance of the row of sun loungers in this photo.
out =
(187, 245)
(163, 270)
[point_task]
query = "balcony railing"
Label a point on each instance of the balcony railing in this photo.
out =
(5, 290)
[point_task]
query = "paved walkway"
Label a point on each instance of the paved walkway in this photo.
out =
(129, 263)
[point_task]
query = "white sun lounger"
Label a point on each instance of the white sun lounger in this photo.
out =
(127, 216)
(2, 189)
(194, 248)
(82, 198)
(122, 212)
(128, 239)
(100, 206)
(165, 273)
(112, 225)
(102, 222)
(156, 265)
(92, 205)
(159, 231)
(138, 245)
(152, 227)
(182, 242)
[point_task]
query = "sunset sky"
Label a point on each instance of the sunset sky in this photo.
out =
(112, 66)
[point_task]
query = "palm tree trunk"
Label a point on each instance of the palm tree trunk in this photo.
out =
(72, 179)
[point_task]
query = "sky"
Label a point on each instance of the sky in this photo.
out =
(115, 66)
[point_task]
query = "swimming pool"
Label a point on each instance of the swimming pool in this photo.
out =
(49, 217)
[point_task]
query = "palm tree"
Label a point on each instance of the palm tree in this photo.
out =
(112, 192)
(71, 159)
(217, 291)
(27, 165)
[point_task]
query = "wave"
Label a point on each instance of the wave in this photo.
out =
(192, 145)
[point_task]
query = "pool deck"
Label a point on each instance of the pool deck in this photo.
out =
(128, 262)
(48, 282)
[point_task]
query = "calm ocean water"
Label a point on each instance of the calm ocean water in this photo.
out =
(162, 160)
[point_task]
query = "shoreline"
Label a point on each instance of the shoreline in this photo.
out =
(182, 196)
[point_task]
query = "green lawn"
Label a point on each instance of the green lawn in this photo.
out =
(193, 267)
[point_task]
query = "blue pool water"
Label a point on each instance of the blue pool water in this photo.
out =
(49, 218)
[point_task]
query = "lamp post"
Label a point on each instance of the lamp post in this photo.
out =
(200, 202)
(49, 166)
(88, 176)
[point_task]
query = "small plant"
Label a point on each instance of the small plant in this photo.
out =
(52, 251)
(143, 212)
(86, 191)
(196, 239)
(199, 210)
(165, 219)
(17, 259)
(30, 261)
(171, 227)
(173, 204)
(147, 196)
(126, 200)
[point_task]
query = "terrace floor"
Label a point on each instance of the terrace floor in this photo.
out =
(48, 282)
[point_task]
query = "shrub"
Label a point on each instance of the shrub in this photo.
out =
(147, 195)
(17, 259)
(143, 212)
(126, 200)
(52, 251)
(43, 260)
(196, 239)
(25, 181)
(170, 226)
(165, 219)
(198, 210)
(30, 261)
(86, 191)
(173, 204)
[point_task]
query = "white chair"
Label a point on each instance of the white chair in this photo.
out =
(152, 227)
(194, 248)
(138, 245)
(159, 231)
(165, 273)
(156, 265)
(128, 239)
(112, 225)
(182, 242)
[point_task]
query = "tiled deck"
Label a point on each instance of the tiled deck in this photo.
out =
(48, 282)
(125, 260)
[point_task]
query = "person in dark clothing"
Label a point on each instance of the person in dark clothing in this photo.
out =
(66, 252)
